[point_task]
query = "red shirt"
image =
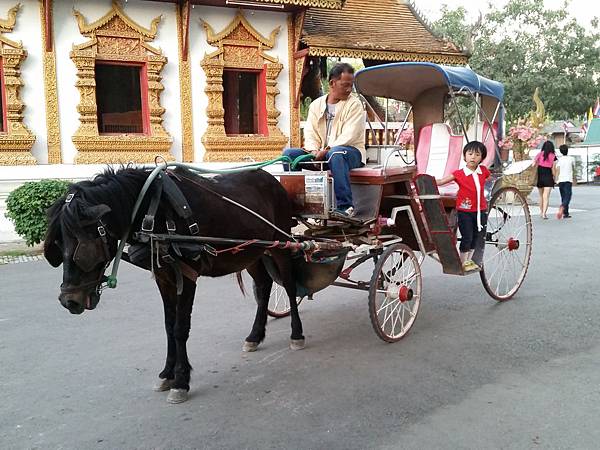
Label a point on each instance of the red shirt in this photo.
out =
(466, 199)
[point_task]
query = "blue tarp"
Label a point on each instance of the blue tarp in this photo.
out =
(392, 80)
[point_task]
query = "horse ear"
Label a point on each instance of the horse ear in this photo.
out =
(96, 212)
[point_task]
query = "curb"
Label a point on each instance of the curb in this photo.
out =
(20, 259)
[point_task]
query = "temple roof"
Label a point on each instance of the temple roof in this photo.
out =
(592, 139)
(385, 30)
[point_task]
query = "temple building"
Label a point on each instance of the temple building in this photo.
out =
(100, 81)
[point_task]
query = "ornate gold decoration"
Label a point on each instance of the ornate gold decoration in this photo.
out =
(240, 46)
(295, 140)
(116, 37)
(16, 141)
(329, 4)
(537, 117)
(388, 55)
(185, 80)
(51, 94)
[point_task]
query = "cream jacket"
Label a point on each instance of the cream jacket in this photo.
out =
(348, 126)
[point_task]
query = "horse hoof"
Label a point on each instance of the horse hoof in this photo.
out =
(297, 344)
(162, 385)
(177, 396)
(249, 346)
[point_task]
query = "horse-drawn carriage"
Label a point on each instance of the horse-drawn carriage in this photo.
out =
(202, 226)
(402, 216)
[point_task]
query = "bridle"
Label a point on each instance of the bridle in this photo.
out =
(89, 253)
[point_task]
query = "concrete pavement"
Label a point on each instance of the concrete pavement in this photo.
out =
(472, 373)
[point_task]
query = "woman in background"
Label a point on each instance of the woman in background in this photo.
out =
(545, 162)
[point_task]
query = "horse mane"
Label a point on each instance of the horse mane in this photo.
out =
(122, 184)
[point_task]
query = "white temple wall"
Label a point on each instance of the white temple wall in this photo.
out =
(66, 34)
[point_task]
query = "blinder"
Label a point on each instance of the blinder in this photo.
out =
(90, 253)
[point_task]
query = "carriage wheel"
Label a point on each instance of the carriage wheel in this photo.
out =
(395, 292)
(508, 244)
(279, 303)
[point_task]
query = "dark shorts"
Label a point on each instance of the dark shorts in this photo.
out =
(467, 224)
(544, 177)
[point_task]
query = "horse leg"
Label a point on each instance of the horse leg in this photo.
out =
(262, 283)
(283, 262)
(179, 367)
(168, 293)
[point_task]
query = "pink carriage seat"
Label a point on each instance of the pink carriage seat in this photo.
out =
(439, 151)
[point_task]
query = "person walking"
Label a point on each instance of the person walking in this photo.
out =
(545, 163)
(565, 168)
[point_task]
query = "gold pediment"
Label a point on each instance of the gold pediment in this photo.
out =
(239, 32)
(116, 22)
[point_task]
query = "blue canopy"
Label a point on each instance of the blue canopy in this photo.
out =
(406, 81)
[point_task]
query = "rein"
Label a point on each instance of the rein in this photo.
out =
(161, 167)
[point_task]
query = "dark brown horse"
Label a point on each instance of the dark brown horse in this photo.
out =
(84, 228)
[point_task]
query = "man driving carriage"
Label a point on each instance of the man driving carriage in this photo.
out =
(335, 132)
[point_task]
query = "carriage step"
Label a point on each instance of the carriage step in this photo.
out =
(442, 236)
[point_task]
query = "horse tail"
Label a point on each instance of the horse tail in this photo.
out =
(240, 281)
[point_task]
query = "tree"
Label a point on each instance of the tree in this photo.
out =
(525, 45)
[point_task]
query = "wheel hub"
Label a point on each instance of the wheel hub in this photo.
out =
(513, 244)
(405, 294)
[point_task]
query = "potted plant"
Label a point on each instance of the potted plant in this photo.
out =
(521, 138)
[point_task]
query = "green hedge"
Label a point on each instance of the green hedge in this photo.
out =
(27, 205)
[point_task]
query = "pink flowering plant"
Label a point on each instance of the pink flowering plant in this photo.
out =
(406, 137)
(521, 138)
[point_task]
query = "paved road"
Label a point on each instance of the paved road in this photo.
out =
(471, 374)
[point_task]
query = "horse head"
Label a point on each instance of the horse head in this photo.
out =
(79, 238)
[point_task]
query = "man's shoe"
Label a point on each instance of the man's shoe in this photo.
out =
(347, 212)
(568, 216)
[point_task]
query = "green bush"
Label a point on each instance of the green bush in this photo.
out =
(26, 207)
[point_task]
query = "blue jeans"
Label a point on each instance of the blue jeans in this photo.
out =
(340, 166)
(566, 191)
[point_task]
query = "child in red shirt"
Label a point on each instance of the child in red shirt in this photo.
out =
(471, 204)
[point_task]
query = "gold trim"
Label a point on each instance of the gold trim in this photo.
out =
(388, 55)
(240, 47)
(16, 141)
(328, 4)
(53, 138)
(185, 88)
(294, 111)
(116, 37)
